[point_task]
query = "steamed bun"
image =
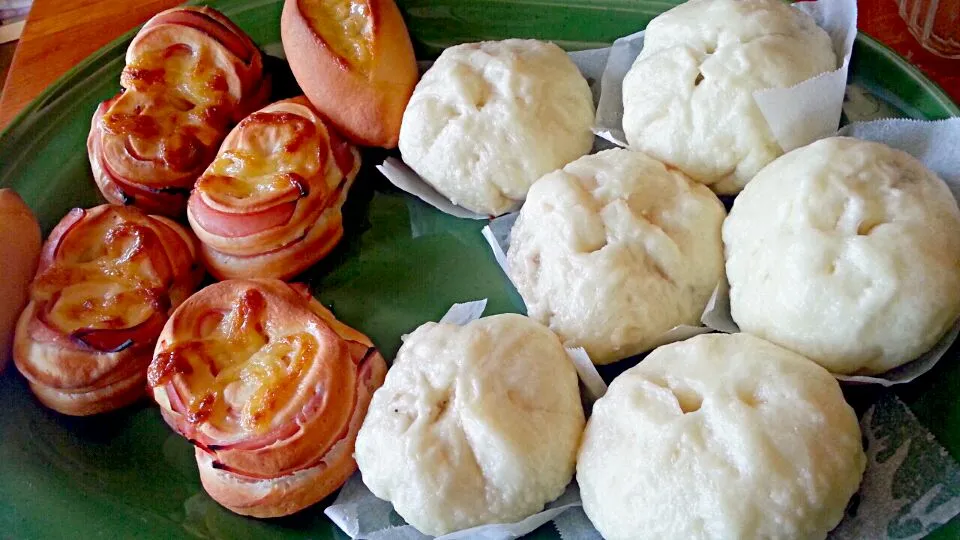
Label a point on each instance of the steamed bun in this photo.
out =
(616, 249)
(688, 98)
(720, 436)
(847, 252)
(490, 118)
(474, 425)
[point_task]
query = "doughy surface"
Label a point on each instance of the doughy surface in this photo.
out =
(688, 98)
(847, 252)
(490, 118)
(614, 250)
(474, 425)
(720, 436)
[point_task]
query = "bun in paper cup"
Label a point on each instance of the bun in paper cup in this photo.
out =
(615, 250)
(848, 252)
(688, 98)
(490, 118)
(476, 424)
(720, 436)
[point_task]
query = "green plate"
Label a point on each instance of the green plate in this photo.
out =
(125, 474)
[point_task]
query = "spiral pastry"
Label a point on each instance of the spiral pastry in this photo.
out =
(107, 280)
(270, 388)
(269, 206)
(190, 74)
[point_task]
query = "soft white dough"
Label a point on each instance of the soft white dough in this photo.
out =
(722, 436)
(474, 425)
(616, 249)
(847, 252)
(688, 98)
(490, 118)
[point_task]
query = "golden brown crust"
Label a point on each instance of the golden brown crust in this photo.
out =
(190, 73)
(283, 263)
(106, 281)
(365, 102)
(19, 253)
(302, 449)
(275, 497)
(256, 222)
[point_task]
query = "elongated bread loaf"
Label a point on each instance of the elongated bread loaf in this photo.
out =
(354, 61)
(18, 260)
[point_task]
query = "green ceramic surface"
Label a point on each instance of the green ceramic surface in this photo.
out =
(125, 474)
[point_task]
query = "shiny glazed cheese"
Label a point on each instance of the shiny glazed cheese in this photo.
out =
(346, 26)
(239, 376)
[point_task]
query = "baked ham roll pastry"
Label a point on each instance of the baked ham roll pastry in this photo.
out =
(107, 280)
(354, 61)
(19, 253)
(190, 74)
(270, 388)
(269, 206)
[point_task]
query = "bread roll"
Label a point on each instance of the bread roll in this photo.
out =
(688, 98)
(489, 119)
(19, 252)
(475, 424)
(270, 388)
(355, 63)
(848, 252)
(107, 279)
(190, 74)
(269, 205)
(720, 436)
(614, 250)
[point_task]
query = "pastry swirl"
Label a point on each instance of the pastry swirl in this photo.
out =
(270, 388)
(190, 74)
(270, 203)
(107, 279)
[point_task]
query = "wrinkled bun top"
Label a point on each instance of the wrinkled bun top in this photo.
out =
(688, 99)
(475, 424)
(847, 252)
(615, 250)
(720, 436)
(490, 118)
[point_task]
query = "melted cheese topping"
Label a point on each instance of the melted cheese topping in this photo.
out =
(273, 154)
(180, 72)
(175, 106)
(108, 274)
(346, 26)
(239, 376)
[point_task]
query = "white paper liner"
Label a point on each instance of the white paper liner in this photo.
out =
(591, 63)
(467, 312)
(797, 115)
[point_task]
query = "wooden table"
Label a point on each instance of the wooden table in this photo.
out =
(60, 33)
